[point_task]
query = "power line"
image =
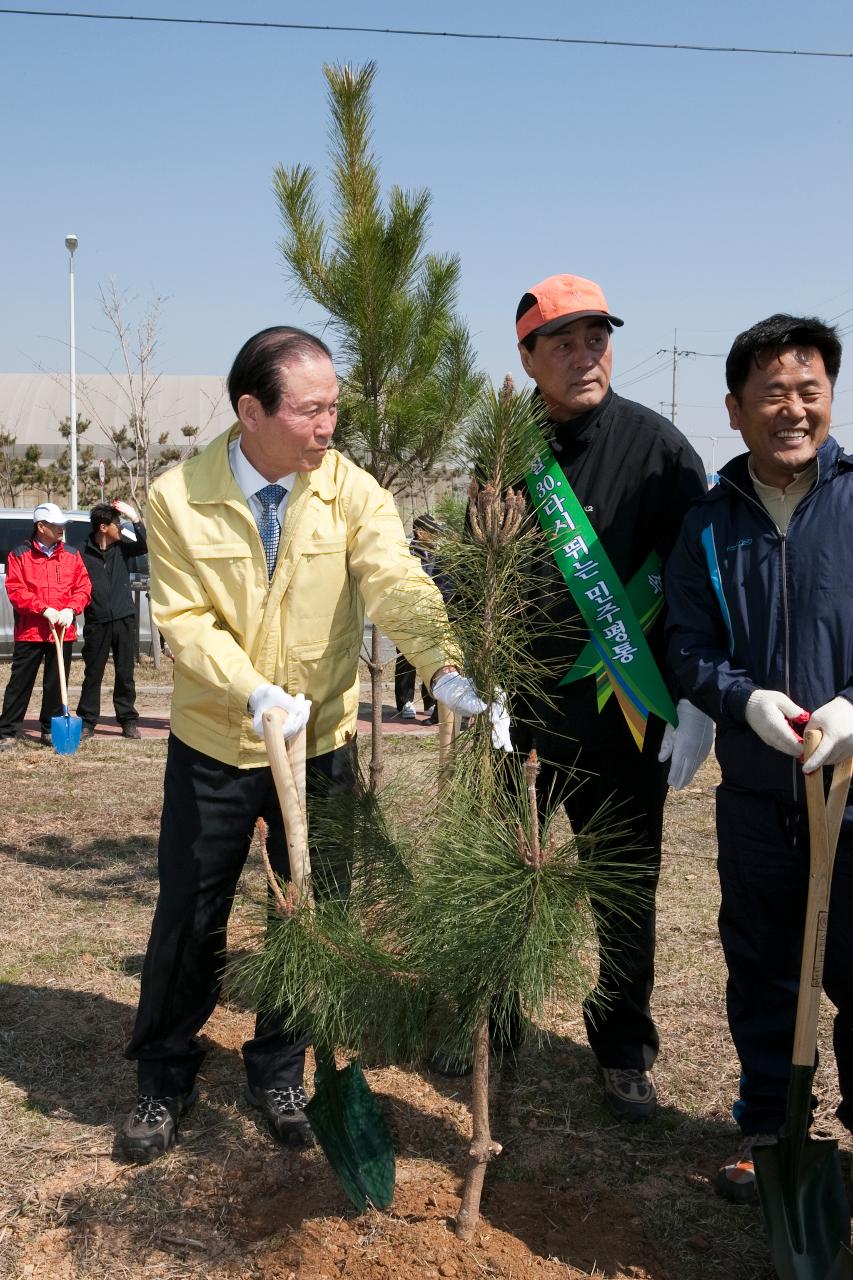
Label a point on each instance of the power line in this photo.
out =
(641, 377)
(632, 367)
(441, 35)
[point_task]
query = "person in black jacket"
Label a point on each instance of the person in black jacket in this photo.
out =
(633, 477)
(760, 624)
(110, 619)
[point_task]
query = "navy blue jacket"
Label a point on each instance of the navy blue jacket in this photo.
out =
(749, 608)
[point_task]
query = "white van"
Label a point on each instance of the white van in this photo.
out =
(16, 525)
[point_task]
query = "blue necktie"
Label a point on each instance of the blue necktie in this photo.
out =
(269, 497)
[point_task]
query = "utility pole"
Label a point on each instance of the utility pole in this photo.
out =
(679, 355)
(676, 356)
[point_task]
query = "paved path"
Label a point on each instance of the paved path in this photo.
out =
(154, 723)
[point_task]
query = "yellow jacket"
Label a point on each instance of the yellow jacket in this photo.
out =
(342, 550)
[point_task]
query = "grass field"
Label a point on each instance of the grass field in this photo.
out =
(574, 1193)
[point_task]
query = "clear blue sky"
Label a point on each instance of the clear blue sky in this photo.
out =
(704, 191)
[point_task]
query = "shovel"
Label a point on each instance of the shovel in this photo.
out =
(65, 730)
(344, 1114)
(800, 1183)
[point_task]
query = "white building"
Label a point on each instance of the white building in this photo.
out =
(33, 404)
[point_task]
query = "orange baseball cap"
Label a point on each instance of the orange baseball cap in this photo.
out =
(557, 301)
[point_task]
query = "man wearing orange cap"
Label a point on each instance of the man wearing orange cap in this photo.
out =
(609, 487)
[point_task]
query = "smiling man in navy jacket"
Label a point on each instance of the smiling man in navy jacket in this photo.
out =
(759, 592)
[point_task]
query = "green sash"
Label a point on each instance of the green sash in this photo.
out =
(617, 653)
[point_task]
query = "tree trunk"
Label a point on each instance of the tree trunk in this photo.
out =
(482, 1147)
(375, 668)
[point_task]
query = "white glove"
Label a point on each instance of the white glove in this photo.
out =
(768, 713)
(835, 721)
(688, 745)
(127, 533)
(52, 615)
(66, 617)
(501, 720)
(298, 709)
(126, 510)
(459, 693)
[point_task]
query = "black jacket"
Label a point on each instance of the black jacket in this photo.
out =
(635, 476)
(112, 597)
(751, 608)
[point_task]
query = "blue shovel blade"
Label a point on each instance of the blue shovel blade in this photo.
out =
(65, 734)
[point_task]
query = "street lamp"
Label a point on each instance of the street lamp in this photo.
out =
(71, 245)
(713, 439)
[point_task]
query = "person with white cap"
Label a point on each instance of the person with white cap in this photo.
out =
(47, 584)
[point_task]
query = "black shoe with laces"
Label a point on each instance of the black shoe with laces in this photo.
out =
(152, 1127)
(282, 1109)
(629, 1092)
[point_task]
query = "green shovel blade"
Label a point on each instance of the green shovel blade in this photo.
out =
(802, 1195)
(351, 1129)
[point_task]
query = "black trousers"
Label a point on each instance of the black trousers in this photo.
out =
(27, 657)
(209, 814)
(764, 874)
(99, 640)
(631, 787)
(404, 685)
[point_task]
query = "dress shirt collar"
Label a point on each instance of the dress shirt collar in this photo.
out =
(249, 481)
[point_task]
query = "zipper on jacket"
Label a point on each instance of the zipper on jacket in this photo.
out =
(783, 541)
(787, 629)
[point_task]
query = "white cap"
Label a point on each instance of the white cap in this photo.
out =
(50, 513)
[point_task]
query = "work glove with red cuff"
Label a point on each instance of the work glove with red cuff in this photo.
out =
(687, 745)
(266, 696)
(770, 713)
(835, 721)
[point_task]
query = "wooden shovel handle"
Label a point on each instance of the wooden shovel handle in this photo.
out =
(58, 638)
(824, 828)
(291, 796)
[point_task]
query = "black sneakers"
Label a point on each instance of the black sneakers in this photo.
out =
(152, 1127)
(282, 1109)
(629, 1092)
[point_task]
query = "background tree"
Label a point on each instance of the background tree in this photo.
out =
(56, 477)
(169, 454)
(136, 444)
(19, 473)
(407, 366)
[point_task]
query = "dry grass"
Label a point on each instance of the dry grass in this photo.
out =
(574, 1192)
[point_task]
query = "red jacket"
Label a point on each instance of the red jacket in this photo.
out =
(35, 582)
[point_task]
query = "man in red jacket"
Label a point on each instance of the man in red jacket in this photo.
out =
(46, 582)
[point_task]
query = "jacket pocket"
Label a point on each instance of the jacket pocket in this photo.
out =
(327, 673)
(231, 580)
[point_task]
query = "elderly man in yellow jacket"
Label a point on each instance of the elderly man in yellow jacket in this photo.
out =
(266, 549)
